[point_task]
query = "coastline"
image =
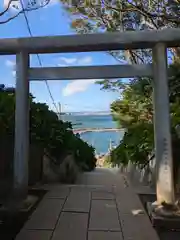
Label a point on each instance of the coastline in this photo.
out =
(86, 130)
(96, 130)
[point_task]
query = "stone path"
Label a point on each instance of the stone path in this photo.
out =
(100, 207)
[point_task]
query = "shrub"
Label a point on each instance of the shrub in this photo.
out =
(47, 131)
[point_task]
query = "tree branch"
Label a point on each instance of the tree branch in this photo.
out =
(156, 19)
(7, 8)
(20, 12)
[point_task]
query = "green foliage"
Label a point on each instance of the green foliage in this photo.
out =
(107, 162)
(7, 106)
(123, 15)
(134, 110)
(135, 113)
(84, 153)
(135, 104)
(136, 145)
(47, 131)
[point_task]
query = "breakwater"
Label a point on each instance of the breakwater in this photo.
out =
(85, 130)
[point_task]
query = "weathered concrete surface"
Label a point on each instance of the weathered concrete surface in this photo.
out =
(59, 192)
(34, 235)
(102, 194)
(46, 215)
(71, 226)
(104, 216)
(101, 206)
(78, 200)
(136, 227)
(102, 235)
(127, 201)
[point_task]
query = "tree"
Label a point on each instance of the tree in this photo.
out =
(123, 15)
(135, 104)
(134, 109)
(135, 113)
(16, 7)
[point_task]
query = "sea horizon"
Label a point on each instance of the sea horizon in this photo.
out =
(105, 113)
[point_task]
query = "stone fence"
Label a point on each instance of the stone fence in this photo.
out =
(139, 176)
(145, 176)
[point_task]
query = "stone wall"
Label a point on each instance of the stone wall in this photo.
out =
(35, 165)
(138, 176)
(41, 167)
(66, 172)
(146, 176)
(6, 166)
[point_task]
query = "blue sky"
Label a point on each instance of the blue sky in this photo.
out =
(75, 95)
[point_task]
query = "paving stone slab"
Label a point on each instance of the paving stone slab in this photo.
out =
(50, 186)
(60, 192)
(103, 177)
(46, 214)
(128, 201)
(92, 187)
(34, 235)
(104, 216)
(78, 200)
(100, 194)
(137, 227)
(71, 226)
(103, 235)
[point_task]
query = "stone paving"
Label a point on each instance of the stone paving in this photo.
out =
(100, 207)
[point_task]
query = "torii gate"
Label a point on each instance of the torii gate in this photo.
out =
(157, 40)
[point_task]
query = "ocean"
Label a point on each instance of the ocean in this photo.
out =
(99, 140)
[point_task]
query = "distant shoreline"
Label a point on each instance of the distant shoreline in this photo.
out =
(100, 140)
(87, 130)
(86, 113)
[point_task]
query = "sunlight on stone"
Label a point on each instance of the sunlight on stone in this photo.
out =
(137, 212)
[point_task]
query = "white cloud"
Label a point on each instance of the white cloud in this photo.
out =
(77, 86)
(74, 61)
(62, 65)
(68, 60)
(10, 63)
(85, 60)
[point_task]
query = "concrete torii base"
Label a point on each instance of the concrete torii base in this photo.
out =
(165, 216)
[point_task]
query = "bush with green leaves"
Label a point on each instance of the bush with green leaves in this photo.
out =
(46, 131)
(134, 112)
(136, 145)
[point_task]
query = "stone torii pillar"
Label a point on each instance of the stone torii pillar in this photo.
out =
(162, 130)
(21, 148)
